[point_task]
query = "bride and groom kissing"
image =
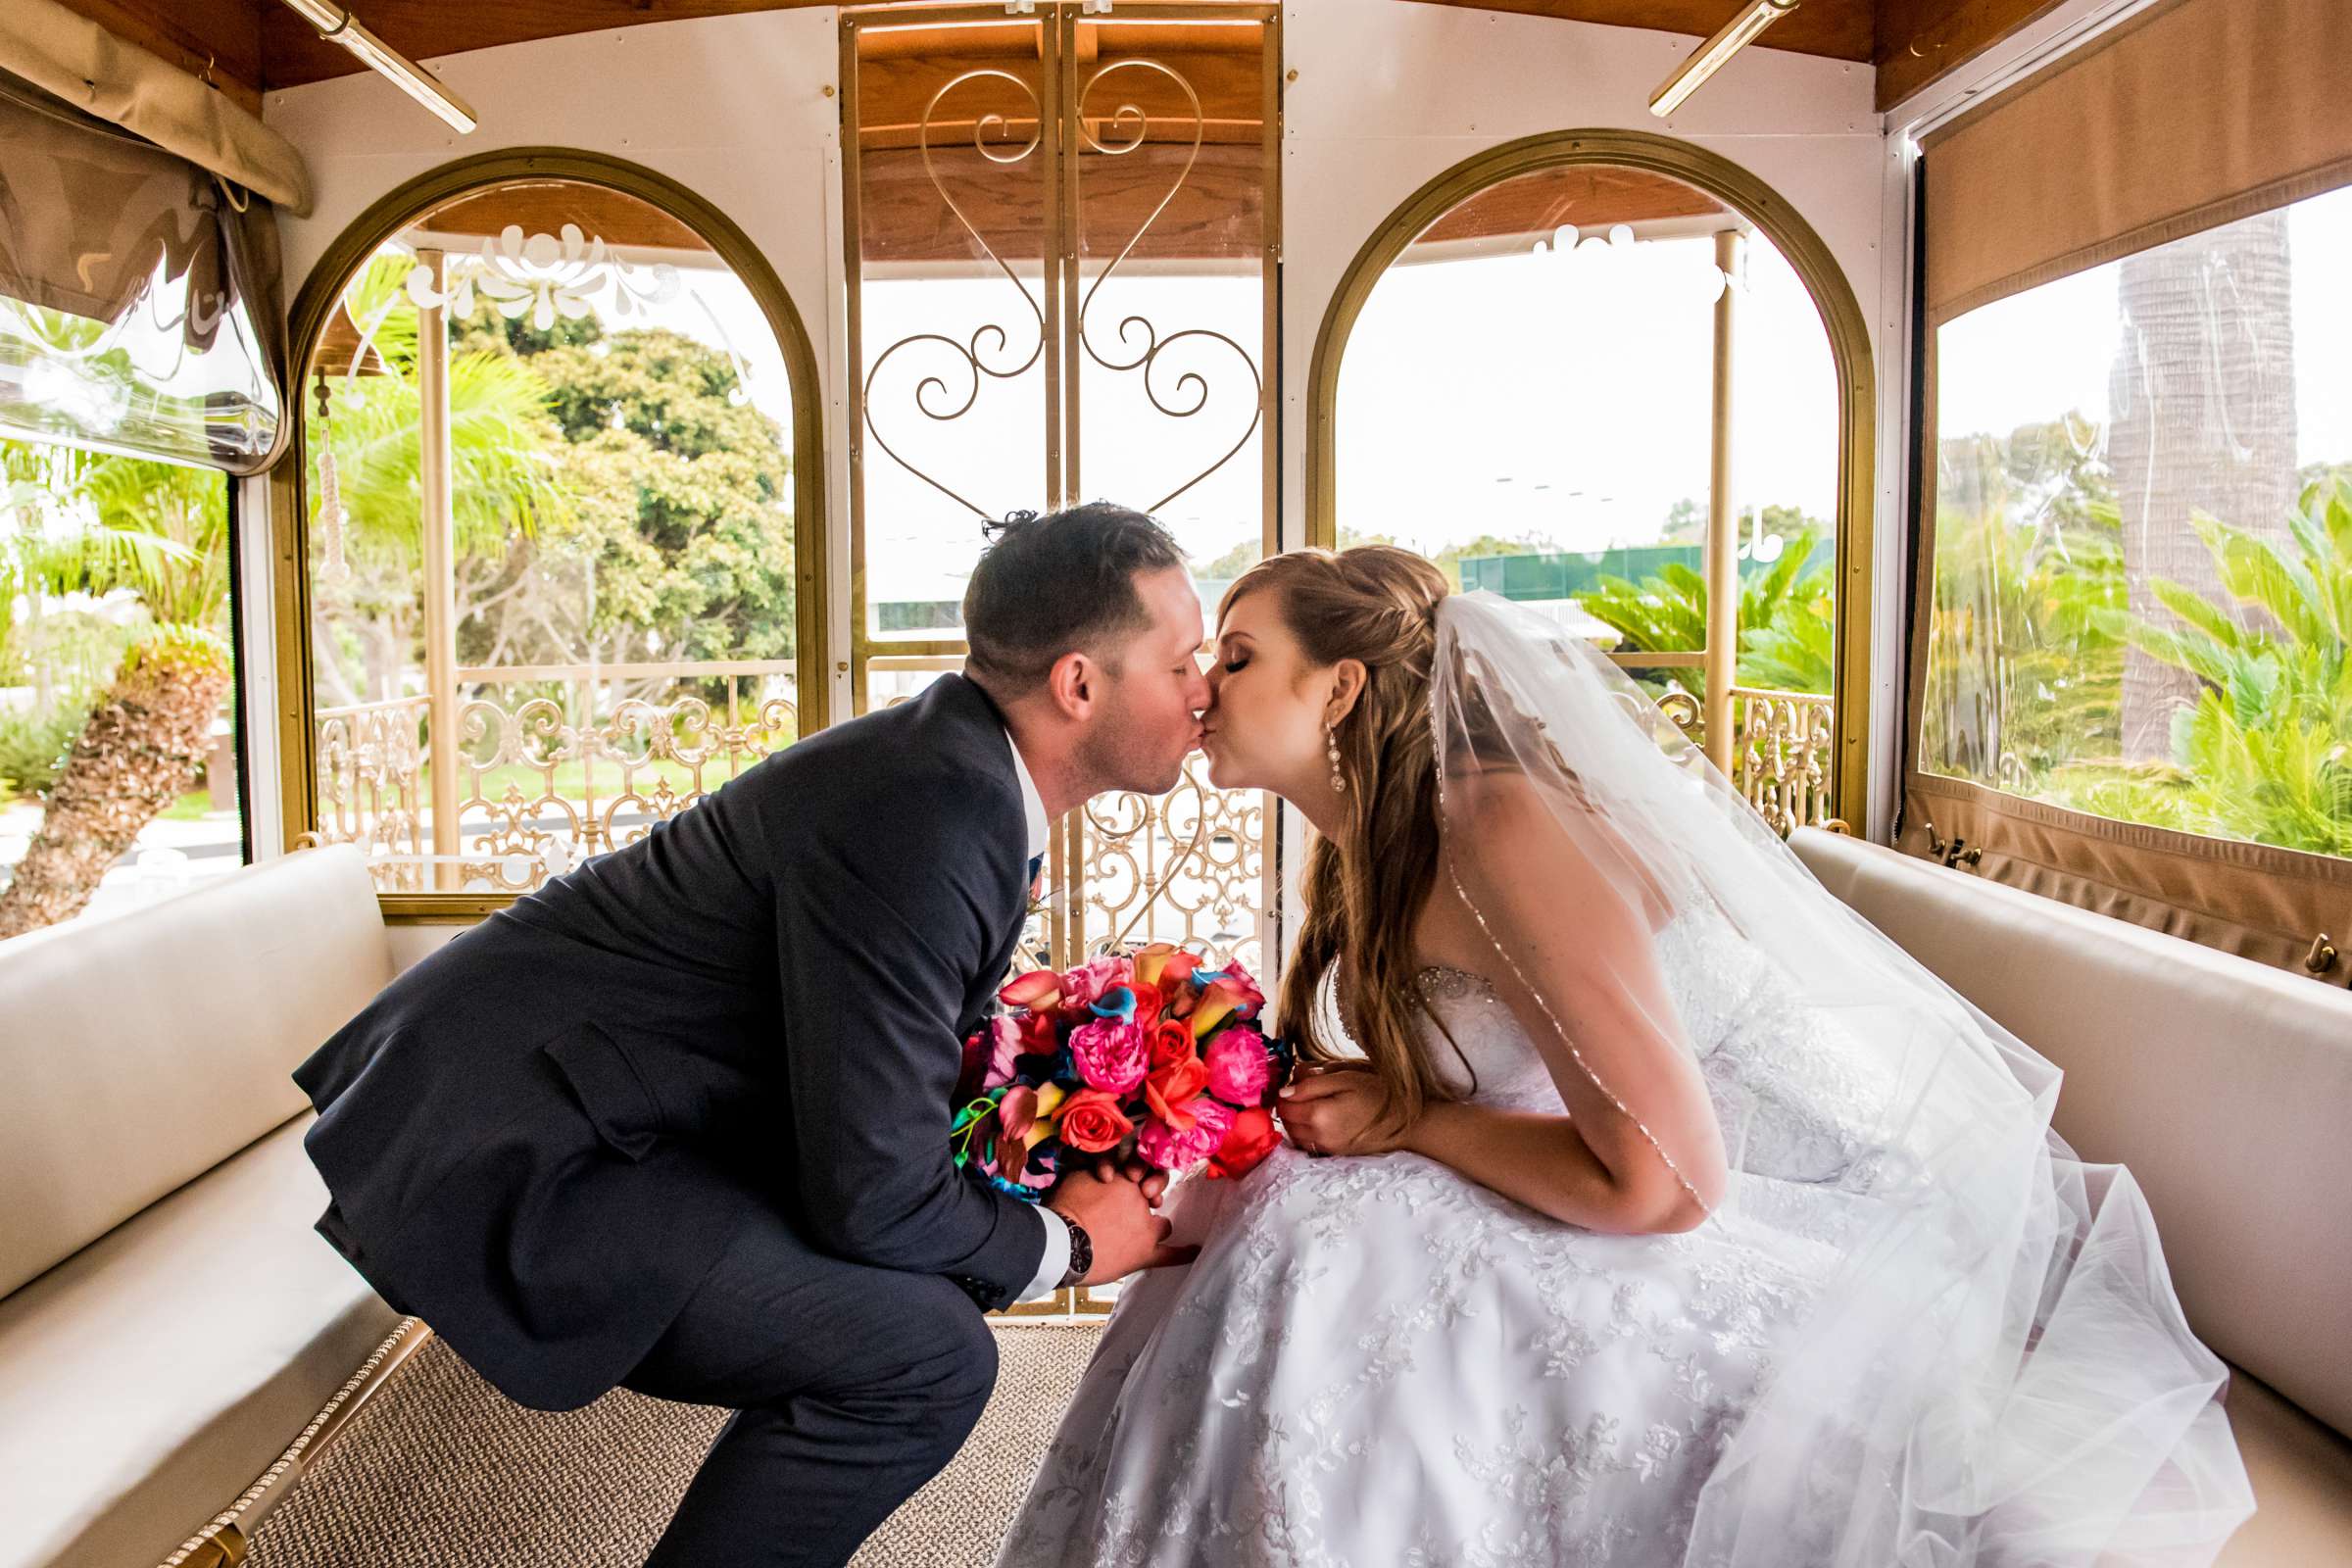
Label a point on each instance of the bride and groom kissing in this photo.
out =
(1638, 1204)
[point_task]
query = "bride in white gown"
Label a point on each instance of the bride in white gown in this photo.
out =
(1641, 1206)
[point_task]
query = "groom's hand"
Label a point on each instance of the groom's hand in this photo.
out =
(1116, 1211)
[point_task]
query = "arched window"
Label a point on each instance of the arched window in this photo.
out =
(1602, 372)
(559, 523)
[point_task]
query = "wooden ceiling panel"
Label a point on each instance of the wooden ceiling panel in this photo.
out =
(249, 47)
(1921, 41)
(424, 28)
(1587, 196)
(1840, 30)
(544, 207)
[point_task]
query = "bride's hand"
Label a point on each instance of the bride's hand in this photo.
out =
(1337, 1110)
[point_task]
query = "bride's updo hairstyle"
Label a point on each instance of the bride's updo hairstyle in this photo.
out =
(1378, 604)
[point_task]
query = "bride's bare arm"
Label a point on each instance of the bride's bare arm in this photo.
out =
(1566, 919)
(1540, 1162)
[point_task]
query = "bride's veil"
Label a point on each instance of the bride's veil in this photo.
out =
(1998, 1370)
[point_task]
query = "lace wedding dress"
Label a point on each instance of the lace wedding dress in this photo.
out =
(1376, 1360)
(1916, 1331)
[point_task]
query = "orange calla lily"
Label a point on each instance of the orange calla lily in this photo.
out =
(1037, 991)
(1015, 1113)
(1049, 1114)
(1152, 960)
(1216, 1005)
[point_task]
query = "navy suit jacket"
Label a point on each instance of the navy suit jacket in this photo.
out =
(541, 1137)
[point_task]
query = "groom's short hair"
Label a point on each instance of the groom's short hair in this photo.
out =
(1053, 586)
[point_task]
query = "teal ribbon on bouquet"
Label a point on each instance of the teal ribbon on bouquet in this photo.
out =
(959, 1131)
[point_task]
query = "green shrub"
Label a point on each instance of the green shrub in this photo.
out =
(33, 746)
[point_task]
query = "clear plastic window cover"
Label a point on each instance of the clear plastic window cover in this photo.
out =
(135, 386)
(2143, 537)
(127, 298)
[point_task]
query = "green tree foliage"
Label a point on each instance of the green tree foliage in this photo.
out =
(685, 493)
(1686, 523)
(1786, 623)
(2025, 665)
(627, 503)
(2265, 754)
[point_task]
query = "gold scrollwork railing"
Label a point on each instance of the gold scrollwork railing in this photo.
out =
(1188, 867)
(579, 764)
(1780, 750)
(370, 760)
(1781, 755)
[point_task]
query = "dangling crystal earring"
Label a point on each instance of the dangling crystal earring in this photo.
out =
(1331, 749)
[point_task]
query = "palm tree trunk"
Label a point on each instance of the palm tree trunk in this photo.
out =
(2203, 389)
(140, 752)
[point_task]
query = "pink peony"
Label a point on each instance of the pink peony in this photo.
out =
(1245, 984)
(1084, 986)
(1170, 1149)
(1239, 1069)
(1111, 1055)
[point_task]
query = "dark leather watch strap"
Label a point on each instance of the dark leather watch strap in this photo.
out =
(1082, 1254)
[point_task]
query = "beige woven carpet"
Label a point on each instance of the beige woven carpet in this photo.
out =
(441, 1471)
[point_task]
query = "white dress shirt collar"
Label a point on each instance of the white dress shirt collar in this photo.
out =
(1041, 831)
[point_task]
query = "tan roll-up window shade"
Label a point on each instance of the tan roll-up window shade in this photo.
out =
(2196, 112)
(2134, 596)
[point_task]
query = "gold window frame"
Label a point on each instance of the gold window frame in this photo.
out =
(289, 481)
(1775, 217)
(1063, 279)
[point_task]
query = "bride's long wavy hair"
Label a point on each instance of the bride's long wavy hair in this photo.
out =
(1366, 884)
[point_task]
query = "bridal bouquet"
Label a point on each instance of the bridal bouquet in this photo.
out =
(1146, 1053)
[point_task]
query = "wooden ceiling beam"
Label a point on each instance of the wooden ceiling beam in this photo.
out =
(1839, 29)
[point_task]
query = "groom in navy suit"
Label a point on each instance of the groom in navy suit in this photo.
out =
(678, 1122)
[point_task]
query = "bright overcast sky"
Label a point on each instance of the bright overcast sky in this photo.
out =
(2033, 357)
(1534, 393)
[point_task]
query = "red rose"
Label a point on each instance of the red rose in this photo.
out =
(1171, 1042)
(1170, 1091)
(1092, 1122)
(1250, 1141)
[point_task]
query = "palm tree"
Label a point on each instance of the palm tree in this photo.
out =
(504, 479)
(2204, 399)
(1786, 629)
(139, 752)
(55, 541)
(2265, 751)
(160, 531)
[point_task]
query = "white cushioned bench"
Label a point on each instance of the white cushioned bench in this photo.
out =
(2226, 1087)
(169, 1321)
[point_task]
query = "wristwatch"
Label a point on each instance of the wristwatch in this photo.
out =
(1082, 1254)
